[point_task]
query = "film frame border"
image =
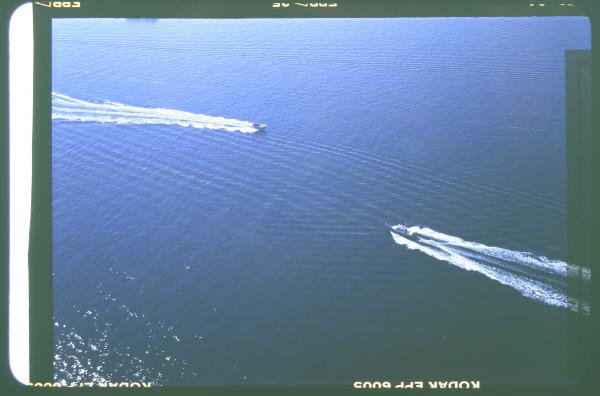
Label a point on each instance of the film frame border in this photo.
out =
(40, 252)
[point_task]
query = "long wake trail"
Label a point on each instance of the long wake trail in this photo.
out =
(534, 276)
(67, 108)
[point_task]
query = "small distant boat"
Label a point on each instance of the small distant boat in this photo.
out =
(259, 127)
(398, 229)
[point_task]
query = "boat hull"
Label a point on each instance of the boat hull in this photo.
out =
(399, 230)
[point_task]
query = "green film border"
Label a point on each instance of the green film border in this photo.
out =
(583, 333)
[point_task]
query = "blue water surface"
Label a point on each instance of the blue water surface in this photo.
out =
(192, 256)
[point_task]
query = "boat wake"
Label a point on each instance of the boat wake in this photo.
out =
(71, 109)
(536, 277)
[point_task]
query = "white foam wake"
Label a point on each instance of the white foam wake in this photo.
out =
(71, 109)
(524, 258)
(534, 276)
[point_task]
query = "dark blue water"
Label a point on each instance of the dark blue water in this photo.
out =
(202, 256)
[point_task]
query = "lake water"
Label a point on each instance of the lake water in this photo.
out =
(195, 250)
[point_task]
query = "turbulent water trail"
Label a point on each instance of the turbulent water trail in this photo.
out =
(534, 276)
(71, 109)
